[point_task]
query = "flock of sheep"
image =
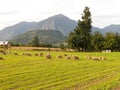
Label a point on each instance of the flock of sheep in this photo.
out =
(96, 58)
(49, 56)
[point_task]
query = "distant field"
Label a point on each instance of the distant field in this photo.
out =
(22, 72)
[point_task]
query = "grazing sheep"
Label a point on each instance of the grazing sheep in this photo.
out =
(1, 58)
(89, 57)
(4, 53)
(36, 54)
(59, 56)
(15, 53)
(48, 56)
(1, 51)
(104, 58)
(41, 54)
(29, 54)
(75, 58)
(100, 58)
(65, 55)
(68, 57)
(24, 53)
(95, 58)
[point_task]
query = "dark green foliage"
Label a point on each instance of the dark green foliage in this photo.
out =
(45, 37)
(35, 41)
(112, 41)
(62, 46)
(97, 41)
(81, 36)
(117, 42)
(109, 41)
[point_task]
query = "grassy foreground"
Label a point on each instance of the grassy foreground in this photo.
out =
(18, 72)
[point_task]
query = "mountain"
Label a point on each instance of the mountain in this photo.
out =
(45, 36)
(17, 29)
(57, 22)
(112, 28)
(98, 29)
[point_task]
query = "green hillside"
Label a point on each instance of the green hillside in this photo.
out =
(45, 36)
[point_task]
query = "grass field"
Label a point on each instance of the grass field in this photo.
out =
(19, 72)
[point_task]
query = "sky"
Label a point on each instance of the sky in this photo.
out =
(104, 12)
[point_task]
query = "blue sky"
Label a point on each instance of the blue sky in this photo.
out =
(104, 12)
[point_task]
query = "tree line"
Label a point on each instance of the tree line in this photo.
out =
(82, 38)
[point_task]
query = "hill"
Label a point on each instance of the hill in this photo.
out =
(17, 29)
(45, 36)
(112, 28)
(58, 22)
(98, 29)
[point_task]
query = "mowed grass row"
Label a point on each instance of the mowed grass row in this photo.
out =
(18, 72)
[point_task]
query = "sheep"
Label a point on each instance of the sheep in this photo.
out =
(100, 58)
(65, 55)
(75, 58)
(1, 51)
(15, 53)
(48, 56)
(4, 53)
(24, 53)
(1, 58)
(68, 57)
(36, 54)
(59, 56)
(41, 54)
(89, 57)
(29, 54)
(104, 58)
(95, 58)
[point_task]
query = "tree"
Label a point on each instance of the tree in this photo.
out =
(86, 28)
(97, 41)
(117, 42)
(35, 41)
(81, 36)
(109, 40)
(62, 46)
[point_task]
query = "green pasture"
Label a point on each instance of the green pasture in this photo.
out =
(19, 72)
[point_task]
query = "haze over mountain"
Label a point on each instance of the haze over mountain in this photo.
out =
(58, 22)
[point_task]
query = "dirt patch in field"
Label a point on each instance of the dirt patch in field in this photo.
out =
(36, 48)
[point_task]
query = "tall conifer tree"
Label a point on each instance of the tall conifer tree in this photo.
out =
(82, 32)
